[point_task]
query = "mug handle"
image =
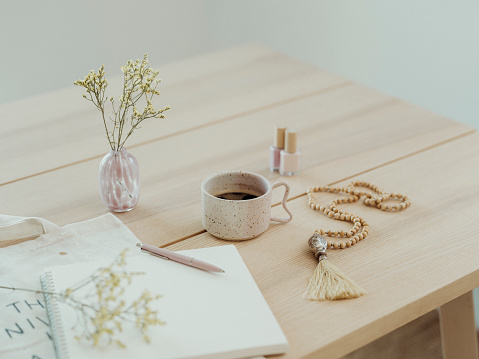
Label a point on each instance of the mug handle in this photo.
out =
(285, 197)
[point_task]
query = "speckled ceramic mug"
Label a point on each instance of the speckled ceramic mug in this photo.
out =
(226, 215)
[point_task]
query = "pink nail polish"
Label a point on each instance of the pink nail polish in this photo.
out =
(275, 149)
(290, 156)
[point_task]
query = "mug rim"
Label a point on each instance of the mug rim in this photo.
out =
(263, 178)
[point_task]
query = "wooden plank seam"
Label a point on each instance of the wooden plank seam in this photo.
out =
(349, 177)
(209, 124)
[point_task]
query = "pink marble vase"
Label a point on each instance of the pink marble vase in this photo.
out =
(119, 178)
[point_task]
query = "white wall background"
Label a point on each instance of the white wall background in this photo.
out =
(423, 51)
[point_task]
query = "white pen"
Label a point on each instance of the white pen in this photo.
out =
(180, 258)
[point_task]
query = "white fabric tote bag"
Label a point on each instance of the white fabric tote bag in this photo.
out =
(24, 326)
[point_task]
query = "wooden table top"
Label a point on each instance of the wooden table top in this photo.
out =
(224, 109)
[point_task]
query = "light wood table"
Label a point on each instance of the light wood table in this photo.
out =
(224, 108)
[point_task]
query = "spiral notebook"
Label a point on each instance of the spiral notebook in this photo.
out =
(207, 315)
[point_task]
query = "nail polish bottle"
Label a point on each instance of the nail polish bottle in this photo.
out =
(290, 156)
(275, 149)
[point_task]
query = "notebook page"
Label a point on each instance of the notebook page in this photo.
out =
(208, 315)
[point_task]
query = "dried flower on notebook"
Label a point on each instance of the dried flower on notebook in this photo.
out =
(101, 309)
(140, 84)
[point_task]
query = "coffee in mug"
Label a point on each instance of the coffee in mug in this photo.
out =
(237, 196)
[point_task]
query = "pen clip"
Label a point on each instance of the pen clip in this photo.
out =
(158, 255)
(153, 254)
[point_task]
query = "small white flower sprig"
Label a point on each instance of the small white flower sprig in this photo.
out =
(102, 310)
(139, 82)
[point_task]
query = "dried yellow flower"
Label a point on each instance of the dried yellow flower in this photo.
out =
(103, 310)
(139, 84)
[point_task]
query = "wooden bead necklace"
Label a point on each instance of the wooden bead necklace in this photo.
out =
(328, 282)
(359, 224)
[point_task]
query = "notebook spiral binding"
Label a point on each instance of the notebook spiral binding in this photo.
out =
(56, 324)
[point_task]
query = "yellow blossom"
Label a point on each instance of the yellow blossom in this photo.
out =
(139, 83)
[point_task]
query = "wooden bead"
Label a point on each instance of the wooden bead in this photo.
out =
(360, 230)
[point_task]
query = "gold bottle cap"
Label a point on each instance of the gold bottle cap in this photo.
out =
(279, 136)
(291, 141)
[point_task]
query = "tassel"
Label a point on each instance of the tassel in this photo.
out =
(327, 282)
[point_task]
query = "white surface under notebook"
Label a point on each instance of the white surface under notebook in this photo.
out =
(208, 315)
